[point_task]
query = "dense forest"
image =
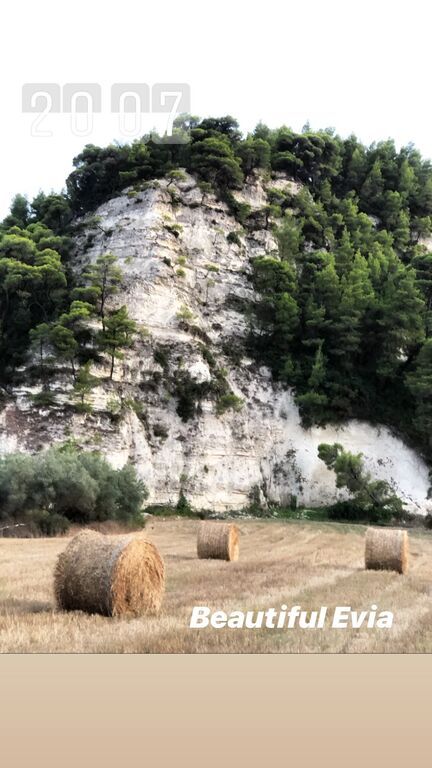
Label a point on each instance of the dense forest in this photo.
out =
(343, 313)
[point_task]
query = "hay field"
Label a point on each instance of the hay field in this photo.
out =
(309, 564)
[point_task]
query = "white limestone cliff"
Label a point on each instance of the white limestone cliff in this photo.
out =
(184, 284)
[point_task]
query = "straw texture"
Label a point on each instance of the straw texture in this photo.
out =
(218, 540)
(387, 550)
(111, 575)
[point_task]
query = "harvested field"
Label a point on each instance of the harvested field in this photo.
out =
(306, 564)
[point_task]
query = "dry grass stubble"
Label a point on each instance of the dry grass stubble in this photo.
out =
(309, 564)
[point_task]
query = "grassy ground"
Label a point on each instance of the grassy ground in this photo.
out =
(309, 564)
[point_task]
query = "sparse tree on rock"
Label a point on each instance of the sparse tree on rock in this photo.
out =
(117, 335)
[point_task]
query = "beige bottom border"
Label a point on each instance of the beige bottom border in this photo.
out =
(175, 711)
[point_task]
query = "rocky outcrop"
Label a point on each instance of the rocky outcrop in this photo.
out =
(186, 282)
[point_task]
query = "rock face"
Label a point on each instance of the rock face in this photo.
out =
(185, 282)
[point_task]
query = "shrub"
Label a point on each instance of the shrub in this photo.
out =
(188, 393)
(134, 405)
(233, 237)
(174, 229)
(83, 407)
(229, 401)
(183, 507)
(184, 313)
(371, 500)
(240, 211)
(161, 357)
(114, 408)
(176, 175)
(160, 430)
(44, 399)
(208, 356)
(62, 485)
(52, 525)
(348, 511)
(161, 510)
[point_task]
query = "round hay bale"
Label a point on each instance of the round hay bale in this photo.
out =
(218, 540)
(111, 575)
(386, 550)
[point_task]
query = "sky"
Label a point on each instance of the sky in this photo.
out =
(361, 67)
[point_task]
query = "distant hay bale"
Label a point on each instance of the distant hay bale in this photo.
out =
(218, 540)
(386, 550)
(111, 575)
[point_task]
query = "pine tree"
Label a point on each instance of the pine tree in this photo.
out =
(356, 169)
(396, 324)
(290, 239)
(41, 339)
(117, 335)
(103, 280)
(19, 215)
(372, 189)
(344, 253)
(84, 383)
(68, 332)
(356, 296)
(318, 372)
(420, 385)
(65, 345)
(373, 497)
(407, 180)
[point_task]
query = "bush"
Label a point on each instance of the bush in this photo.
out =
(174, 229)
(63, 485)
(114, 408)
(185, 314)
(189, 394)
(183, 507)
(44, 399)
(371, 500)
(233, 237)
(350, 512)
(240, 211)
(227, 402)
(319, 514)
(208, 356)
(52, 525)
(161, 510)
(161, 357)
(160, 430)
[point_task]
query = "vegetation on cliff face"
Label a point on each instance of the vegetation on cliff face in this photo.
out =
(344, 308)
(370, 499)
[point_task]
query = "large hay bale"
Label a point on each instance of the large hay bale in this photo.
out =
(218, 540)
(111, 575)
(386, 550)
